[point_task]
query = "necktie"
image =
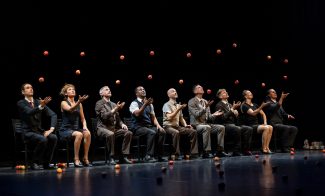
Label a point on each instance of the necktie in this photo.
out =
(31, 104)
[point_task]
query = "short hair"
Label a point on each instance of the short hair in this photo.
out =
(65, 88)
(220, 90)
(194, 87)
(244, 92)
(23, 86)
(101, 90)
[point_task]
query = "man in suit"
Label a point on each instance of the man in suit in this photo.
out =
(277, 117)
(145, 123)
(110, 125)
(31, 111)
(229, 119)
(200, 114)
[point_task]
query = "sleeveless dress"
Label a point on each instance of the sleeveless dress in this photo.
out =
(70, 122)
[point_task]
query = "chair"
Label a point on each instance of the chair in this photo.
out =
(97, 139)
(63, 144)
(20, 144)
(128, 123)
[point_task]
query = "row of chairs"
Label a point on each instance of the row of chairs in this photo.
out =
(98, 143)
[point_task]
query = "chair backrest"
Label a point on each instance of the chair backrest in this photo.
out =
(17, 126)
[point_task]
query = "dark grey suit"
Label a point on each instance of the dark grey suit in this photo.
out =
(109, 125)
(199, 116)
(31, 118)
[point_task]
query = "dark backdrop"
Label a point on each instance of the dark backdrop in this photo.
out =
(105, 30)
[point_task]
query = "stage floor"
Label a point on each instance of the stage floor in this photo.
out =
(276, 174)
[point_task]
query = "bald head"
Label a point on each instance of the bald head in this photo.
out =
(172, 93)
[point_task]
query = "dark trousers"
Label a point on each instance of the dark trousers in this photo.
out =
(44, 146)
(153, 137)
(177, 131)
(111, 136)
(287, 134)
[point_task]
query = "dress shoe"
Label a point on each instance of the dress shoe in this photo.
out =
(86, 163)
(236, 154)
(247, 153)
(161, 159)
(48, 166)
(77, 164)
(125, 160)
(149, 159)
(222, 154)
(207, 155)
(194, 156)
(35, 166)
(112, 161)
(175, 157)
(285, 150)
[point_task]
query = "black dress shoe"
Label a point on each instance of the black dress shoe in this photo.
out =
(35, 166)
(149, 159)
(112, 162)
(125, 160)
(222, 154)
(247, 153)
(194, 156)
(236, 154)
(285, 150)
(86, 163)
(77, 165)
(48, 166)
(207, 155)
(161, 159)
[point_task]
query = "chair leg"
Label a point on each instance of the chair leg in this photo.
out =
(68, 157)
(138, 143)
(26, 156)
(105, 154)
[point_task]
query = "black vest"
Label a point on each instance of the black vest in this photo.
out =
(144, 120)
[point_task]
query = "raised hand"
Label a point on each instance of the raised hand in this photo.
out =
(236, 105)
(82, 98)
(181, 106)
(210, 102)
(45, 101)
(147, 101)
(218, 113)
(120, 105)
(284, 95)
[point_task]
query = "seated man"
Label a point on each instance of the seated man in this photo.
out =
(31, 111)
(229, 119)
(277, 116)
(144, 123)
(199, 110)
(110, 125)
(173, 117)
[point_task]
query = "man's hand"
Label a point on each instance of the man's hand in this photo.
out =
(284, 95)
(210, 102)
(124, 127)
(147, 101)
(120, 105)
(290, 117)
(44, 101)
(218, 113)
(236, 105)
(47, 133)
(181, 106)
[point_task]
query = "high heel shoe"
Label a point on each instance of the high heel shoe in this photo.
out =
(86, 163)
(77, 163)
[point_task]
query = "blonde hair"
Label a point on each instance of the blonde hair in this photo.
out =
(65, 88)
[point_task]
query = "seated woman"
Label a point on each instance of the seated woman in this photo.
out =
(71, 113)
(248, 116)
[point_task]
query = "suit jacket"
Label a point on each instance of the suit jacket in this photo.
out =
(198, 115)
(31, 117)
(274, 112)
(228, 117)
(105, 118)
